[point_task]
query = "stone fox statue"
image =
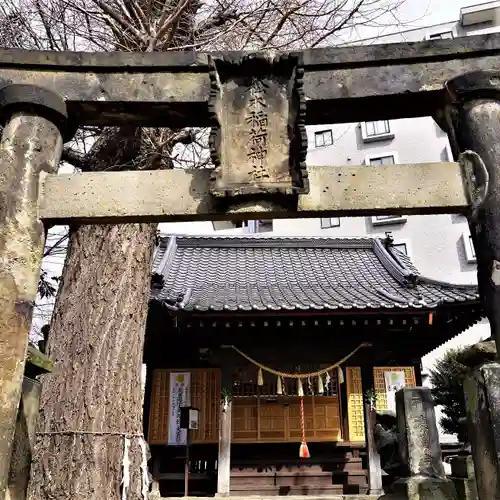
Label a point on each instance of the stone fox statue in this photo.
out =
(386, 441)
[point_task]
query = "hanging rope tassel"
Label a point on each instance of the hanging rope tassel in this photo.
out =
(300, 389)
(340, 375)
(279, 388)
(327, 380)
(321, 389)
(125, 468)
(260, 378)
(144, 470)
(304, 450)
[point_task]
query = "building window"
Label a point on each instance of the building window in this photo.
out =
(247, 226)
(379, 130)
(382, 220)
(381, 160)
(327, 222)
(385, 159)
(323, 138)
(402, 247)
(441, 36)
(263, 226)
(470, 252)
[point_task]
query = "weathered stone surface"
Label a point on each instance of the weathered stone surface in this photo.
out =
(426, 488)
(173, 195)
(31, 147)
(393, 80)
(482, 396)
(24, 439)
(258, 141)
(418, 434)
(478, 354)
(419, 447)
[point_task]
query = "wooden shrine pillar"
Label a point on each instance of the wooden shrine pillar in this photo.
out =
(417, 370)
(225, 418)
(373, 461)
(34, 122)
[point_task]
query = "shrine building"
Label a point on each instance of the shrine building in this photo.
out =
(290, 335)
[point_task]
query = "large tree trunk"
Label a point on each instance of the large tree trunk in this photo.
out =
(96, 343)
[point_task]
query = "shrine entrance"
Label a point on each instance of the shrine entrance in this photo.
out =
(285, 362)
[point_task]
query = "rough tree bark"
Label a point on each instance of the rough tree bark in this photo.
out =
(93, 397)
(96, 342)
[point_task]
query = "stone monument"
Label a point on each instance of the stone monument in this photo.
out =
(420, 449)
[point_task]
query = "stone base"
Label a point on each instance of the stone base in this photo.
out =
(426, 488)
(462, 475)
(462, 467)
(466, 489)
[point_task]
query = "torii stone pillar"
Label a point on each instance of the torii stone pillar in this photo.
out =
(473, 116)
(31, 146)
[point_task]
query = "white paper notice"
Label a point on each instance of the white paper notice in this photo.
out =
(180, 395)
(394, 380)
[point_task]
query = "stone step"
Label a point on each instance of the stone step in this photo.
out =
(289, 497)
(289, 491)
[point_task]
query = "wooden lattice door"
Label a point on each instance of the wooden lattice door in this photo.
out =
(355, 404)
(205, 395)
(260, 415)
(379, 382)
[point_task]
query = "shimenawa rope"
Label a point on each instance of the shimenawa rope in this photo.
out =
(297, 375)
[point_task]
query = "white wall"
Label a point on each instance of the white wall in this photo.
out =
(434, 241)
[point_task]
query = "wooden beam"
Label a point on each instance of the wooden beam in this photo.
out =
(341, 84)
(175, 195)
(374, 467)
(225, 432)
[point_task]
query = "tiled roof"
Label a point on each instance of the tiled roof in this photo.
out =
(221, 273)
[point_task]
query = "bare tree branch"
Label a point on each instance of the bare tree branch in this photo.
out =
(75, 158)
(120, 20)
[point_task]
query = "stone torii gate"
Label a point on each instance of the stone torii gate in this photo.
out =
(257, 106)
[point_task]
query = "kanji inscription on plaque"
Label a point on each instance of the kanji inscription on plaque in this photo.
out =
(258, 140)
(257, 121)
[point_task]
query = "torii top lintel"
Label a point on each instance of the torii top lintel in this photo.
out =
(172, 89)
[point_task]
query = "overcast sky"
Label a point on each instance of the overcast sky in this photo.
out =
(415, 14)
(434, 11)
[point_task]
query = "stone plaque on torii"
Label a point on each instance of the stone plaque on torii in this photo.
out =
(257, 106)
